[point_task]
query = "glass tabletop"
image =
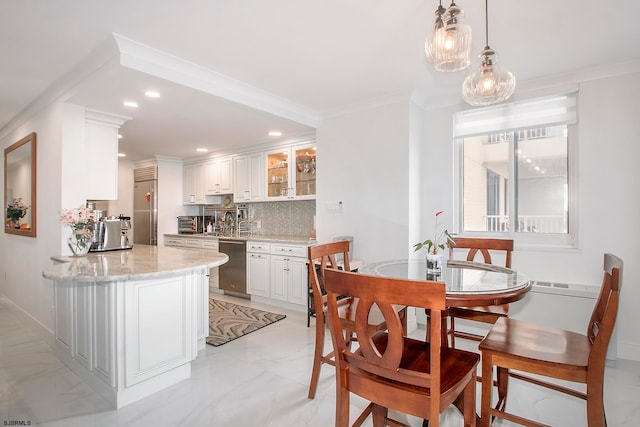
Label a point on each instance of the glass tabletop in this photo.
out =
(460, 277)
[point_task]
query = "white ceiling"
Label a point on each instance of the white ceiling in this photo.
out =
(322, 55)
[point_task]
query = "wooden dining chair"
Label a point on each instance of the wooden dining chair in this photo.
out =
(389, 369)
(554, 353)
(322, 257)
(483, 247)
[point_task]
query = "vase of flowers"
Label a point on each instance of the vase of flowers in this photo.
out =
(441, 240)
(81, 220)
(16, 210)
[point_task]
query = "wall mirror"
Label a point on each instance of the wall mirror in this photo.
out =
(20, 187)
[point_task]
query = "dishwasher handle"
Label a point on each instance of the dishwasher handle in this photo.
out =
(232, 242)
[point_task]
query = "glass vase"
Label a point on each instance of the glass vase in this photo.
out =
(79, 244)
(434, 264)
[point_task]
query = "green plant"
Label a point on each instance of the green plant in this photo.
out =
(441, 240)
(16, 209)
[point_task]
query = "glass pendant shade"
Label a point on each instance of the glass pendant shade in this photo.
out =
(448, 46)
(490, 84)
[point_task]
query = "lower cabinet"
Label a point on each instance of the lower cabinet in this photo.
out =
(258, 268)
(134, 337)
(210, 244)
(278, 272)
(289, 279)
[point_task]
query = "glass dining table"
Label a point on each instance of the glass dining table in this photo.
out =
(468, 284)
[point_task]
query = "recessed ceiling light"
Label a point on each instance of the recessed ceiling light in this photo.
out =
(202, 150)
(275, 133)
(152, 94)
(122, 155)
(130, 104)
(119, 136)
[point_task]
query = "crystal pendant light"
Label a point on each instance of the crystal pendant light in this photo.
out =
(448, 46)
(491, 83)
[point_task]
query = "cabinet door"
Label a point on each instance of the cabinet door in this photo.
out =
(258, 274)
(102, 145)
(297, 292)
(278, 176)
(219, 177)
(212, 179)
(256, 169)
(279, 277)
(225, 175)
(305, 171)
(193, 184)
(242, 179)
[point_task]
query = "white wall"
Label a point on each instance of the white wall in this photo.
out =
(23, 259)
(362, 162)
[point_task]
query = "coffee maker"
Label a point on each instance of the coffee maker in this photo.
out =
(111, 233)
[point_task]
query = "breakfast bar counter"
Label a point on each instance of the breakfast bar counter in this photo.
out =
(130, 322)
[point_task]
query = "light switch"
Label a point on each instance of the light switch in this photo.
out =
(335, 207)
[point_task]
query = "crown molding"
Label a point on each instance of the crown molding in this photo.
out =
(146, 59)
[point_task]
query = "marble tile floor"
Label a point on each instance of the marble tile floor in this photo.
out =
(258, 380)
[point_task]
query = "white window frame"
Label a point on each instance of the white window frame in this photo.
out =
(511, 117)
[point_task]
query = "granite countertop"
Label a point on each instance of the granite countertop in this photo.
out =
(252, 237)
(141, 262)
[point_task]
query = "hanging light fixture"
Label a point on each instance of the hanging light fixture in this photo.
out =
(491, 83)
(448, 46)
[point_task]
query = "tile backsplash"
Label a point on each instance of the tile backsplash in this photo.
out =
(293, 218)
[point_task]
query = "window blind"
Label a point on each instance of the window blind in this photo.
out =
(548, 111)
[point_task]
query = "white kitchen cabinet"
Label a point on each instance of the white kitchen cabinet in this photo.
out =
(288, 273)
(291, 173)
(174, 241)
(258, 268)
(198, 243)
(219, 176)
(101, 145)
(194, 183)
(248, 172)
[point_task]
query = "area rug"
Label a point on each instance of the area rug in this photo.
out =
(228, 321)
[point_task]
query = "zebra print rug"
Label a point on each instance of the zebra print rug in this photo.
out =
(228, 321)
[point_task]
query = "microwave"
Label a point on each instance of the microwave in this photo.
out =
(189, 224)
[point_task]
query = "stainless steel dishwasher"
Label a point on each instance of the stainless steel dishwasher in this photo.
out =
(233, 274)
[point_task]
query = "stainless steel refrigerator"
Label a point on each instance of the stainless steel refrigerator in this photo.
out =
(145, 206)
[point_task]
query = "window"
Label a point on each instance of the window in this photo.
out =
(514, 169)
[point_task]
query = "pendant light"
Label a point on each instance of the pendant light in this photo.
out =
(491, 83)
(448, 45)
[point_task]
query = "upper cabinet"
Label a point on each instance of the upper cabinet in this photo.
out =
(291, 173)
(305, 170)
(101, 142)
(286, 173)
(193, 183)
(219, 176)
(248, 184)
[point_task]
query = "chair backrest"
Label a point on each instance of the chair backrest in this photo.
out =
(484, 247)
(320, 257)
(605, 312)
(367, 291)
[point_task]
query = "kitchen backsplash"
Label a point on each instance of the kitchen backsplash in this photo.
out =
(284, 218)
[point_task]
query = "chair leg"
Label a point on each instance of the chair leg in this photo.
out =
(379, 415)
(487, 385)
(595, 406)
(342, 405)
(317, 358)
(470, 403)
(502, 376)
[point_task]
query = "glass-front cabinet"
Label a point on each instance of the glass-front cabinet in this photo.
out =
(291, 173)
(278, 179)
(305, 170)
